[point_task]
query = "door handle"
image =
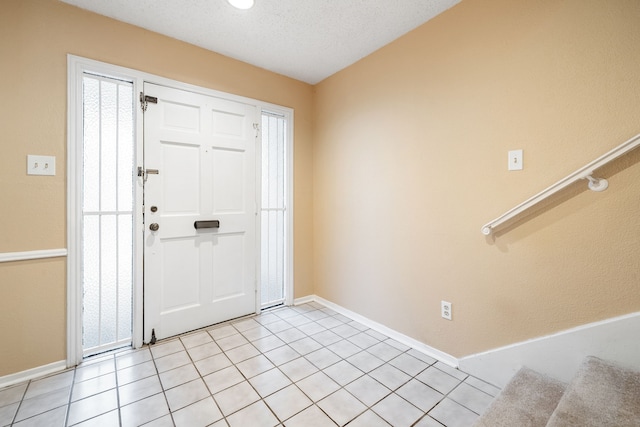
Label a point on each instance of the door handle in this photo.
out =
(154, 226)
(144, 173)
(206, 224)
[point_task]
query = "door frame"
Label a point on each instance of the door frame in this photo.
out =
(76, 67)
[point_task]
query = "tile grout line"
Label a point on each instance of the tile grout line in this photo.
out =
(224, 417)
(295, 383)
(68, 409)
(75, 369)
(202, 378)
(249, 382)
(457, 386)
(275, 367)
(164, 392)
(343, 387)
(24, 394)
(115, 374)
(247, 379)
(24, 398)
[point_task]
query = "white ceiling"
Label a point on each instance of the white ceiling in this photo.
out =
(307, 40)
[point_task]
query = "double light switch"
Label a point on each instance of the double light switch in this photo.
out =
(41, 165)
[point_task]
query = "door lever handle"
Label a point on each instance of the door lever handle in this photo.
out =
(144, 173)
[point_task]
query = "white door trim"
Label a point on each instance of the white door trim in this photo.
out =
(76, 66)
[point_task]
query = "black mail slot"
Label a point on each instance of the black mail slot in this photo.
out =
(207, 224)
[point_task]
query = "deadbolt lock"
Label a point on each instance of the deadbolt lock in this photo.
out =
(154, 209)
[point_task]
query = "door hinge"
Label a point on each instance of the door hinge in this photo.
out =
(145, 100)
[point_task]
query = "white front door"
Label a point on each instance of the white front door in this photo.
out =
(200, 262)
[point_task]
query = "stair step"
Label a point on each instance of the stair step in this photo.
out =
(601, 394)
(528, 400)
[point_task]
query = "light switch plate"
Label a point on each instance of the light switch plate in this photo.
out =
(41, 165)
(515, 160)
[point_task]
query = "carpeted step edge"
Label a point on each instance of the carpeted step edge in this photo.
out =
(601, 394)
(528, 400)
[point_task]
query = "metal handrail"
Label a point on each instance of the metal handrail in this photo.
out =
(585, 172)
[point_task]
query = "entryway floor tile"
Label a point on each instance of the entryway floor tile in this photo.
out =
(302, 366)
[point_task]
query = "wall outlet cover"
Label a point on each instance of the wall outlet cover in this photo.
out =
(446, 310)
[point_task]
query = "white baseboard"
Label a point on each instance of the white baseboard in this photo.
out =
(404, 339)
(304, 300)
(29, 374)
(559, 355)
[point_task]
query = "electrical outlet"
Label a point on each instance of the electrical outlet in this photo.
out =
(445, 310)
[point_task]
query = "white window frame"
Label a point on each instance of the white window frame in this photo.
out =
(287, 113)
(76, 67)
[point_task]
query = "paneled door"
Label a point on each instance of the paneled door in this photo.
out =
(200, 210)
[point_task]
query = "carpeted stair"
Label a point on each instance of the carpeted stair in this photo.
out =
(600, 395)
(527, 401)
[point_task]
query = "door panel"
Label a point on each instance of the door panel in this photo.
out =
(204, 150)
(180, 178)
(229, 253)
(188, 293)
(228, 195)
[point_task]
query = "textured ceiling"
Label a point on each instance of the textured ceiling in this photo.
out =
(307, 40)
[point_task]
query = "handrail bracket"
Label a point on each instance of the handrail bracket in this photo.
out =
(597, 184)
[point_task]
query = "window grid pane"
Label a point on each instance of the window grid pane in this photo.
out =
(108, 146)
(273, 213)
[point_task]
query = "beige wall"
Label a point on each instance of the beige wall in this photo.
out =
(410, 152)
(35, 38)
(408, 161)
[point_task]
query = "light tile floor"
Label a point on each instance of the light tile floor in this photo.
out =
(302, 366)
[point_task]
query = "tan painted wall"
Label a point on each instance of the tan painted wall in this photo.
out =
(408, 161)
(35, 38)
(410, 153)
